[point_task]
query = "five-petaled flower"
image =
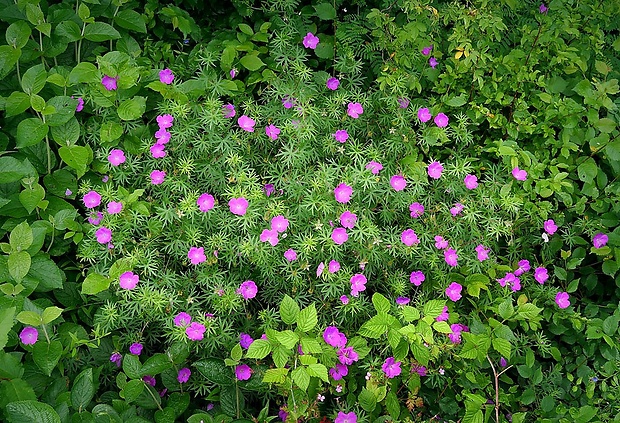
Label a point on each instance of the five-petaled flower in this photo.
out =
(424, 114)
(248, 290)
(29, 335)
(434, 170)
(358, 284)
(183, 375)
(471, 182)
(272, 131)
(343, 417)
(182, 319)
(333, 266)
(417, 277)
(339, 236)
(341, 135)
(333, 337)
(355, 110)
(91, 199)
(157, 177)
(391, 368)
(246, 123)
(562, 299)
(409, 237)
(348, 219)
(310, 41)
(109, 83)
(519, 174)
(398, 182)
(128, 280)
(243, 372)
(270, 236)
(482, 252)
(104, 235)
(427, 50)
(416, 210)
(541, 275)
(451, 257)
(195, 331)
(441, 120)
(339, 371)
(600, 240)
(440, 243)
(164, 121)
(136, 348)
(196, 255)
(238, 206)
(333, 83)
(343, 193)
(374, 167)
(166, 76)
(205, 202)
(290, 254)
(433, 62)
(550, 227)
(279, 223)
(229, 110)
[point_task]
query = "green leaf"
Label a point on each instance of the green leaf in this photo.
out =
(50, 314)
(30, 132)
(310, 346)
(156, 364)
(34, 79)
(64, 110)
(228, 56)
(46, 356)
(132, 108)
(610, 325)
(605, 125)
(6, 323)
(275, 375)
(442, 327)
(251, 62)
(131, 20)
(246, 29)
(287, 338)
(215, 371)
(132, 390)
(587, 170)
(8, 58)
(367, 400)
(132, 366)
(84, 72)
(393, 405)
(29, 318)
(46, 273)
(433, 308)
(18, 102)
(473, 416)
(236, 353)
(307, 318)
(17, 34)
(110, 131)
(19, 265)
(288, 310)
(457, 101)
(100, 31)
(325, 11)
(31, 197)
(77, 157)
(259, 349)
(502, 346)
(382, 305)
(83, 389)
(325, 49)
(613, 150)
(506, 310)
(31, 411)
(318, 370)
(410, 314)
(21, 237)
(69, 30)
(301, 378)
(94, 284)
(420, 353)
(68, 133)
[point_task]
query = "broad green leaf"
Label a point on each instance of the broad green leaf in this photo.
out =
(502, 346)
(457, 101)
(31, 197)
(587, 170)
(34, 14)
(275, 375)
(310, 345)
(30, 131)
(505, 309)
(68, 133)
(132, 390)
(83, 389)
(46, 356)
(83, 72)
(410, 314)
(246, 29)
(288, 310)
(382, 305)
(301, 378)
(131, 20)
(94, 284)
(8, 58)
(288, 338)
(132, 108)
(420, 353)
(50, 314)
(442, 327)
(251, 62)
(34, 79)
(156, 364)
(605, 125)
(325, 49)
(307, 318)
(77, 157)
(17, 34)
(18, 102)
(325, 11)
(392, 405)
(31, 411)
(367, 400)
(46, 273)
(21, 237)
(433, 308)
(64, 109)
(29, 318)
(110, 131)
(68, 30)
(215, 371)
(318, 370)
(132, 366)
(259, 349)
(6, 323)
(19, 265)
(100, 31)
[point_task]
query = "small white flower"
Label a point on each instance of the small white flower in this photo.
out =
(368, 375)
(545, 237)
(320, 397)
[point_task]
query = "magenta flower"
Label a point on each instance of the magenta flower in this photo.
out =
(562, 299)
(508, 279)
(109, 83)
(409, 237)
(166, 76)
(455, 336)
(247, 290)
(245, 340)
(279, 223)
(91, 199)
(402, 300)
(354, 110)
(343, 193)
(136, 348)
(339, 235)
(541, 275)
(333, 83)
(158, 151)
(417, 277)
(398, 182)
(451, 257)
(80, 104)
(427, 50)
(519, 174)
(444, 316)
(348, 219)
(434, 170)
(183, 375)
(416, 210)
(95, 219)
(243, 372)
(347, 355)
(543, 8)
(339, 371)
(290, 254)
(374, 167)
(441, 120)
(471, 182)
(457, 209)
(205, 202)
(310, 41)
(333, 337)
(116, 358)
(233, 73)
(433, 62)
(229, 110)
(29, 335)
(182, 319)
(600, 240)
(149, 380)
(482, 252)
(503, 362)
(524, 266)
(157, 177)
(346, 417)
(403, 103)
(319, 269)
(272, 131)
(333, 266)
(246, 123)
(238, 206)
(104, 235)
(358, 284)
(128, 280)
(391, 368)
(162, 137)
(550, 227)
(424, 114)
(440, 243)
(269, 235)
(165, 121)
(195, 331)
(269, 189)
(344, 299)
(196, 255)
(341, 135)
(287, 102)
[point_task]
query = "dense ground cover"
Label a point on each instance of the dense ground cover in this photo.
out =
(346, 211)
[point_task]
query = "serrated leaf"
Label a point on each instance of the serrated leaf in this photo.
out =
(84, 72)
(155, 365)
(275, 375)
(31, 197)
(287, 338)
(442, 327)
(29, 318)
(420, 353)
(301, 378)
(505, 309)
(382, 305)
(12, 170)
(215, 371)
(288, 310)
(310, 346)
(6, 323)
(259, 349)
(502, 346)
(131, 20)
(318, 370)
(132, 108)
(83, 389)
(19, 265)
(21, 237)
(433, 308)
(77, 157)
(17, 34)
(132, 366)
(31, 411)
(251, 62)
(50, 314)
(410, 314)
(30, 132)
(367, 400)
(307, 318)
(34, 79)
(46, 356)
(132, 390)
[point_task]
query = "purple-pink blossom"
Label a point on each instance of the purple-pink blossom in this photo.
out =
(29, 335)
(319, 269)
(341, 135)
(482, 252)
(238, 206)
(434, 170)
(332, 83)
(455, 336)
(347, 355)
(343, 193)
(416, 210)
(245, 340)
(243, 372)
(205, 202)
(164, 121)
(456, 210)
(348, 219)
(116, 157)
(519, 174)
(269, 235)
(424, 114)
(333, 337)
(440, 243)
(196, 255)
(183, 375)
(333, 266)
(229, 110)
(246, 123)
(136, 348)
(541, 275)
(403, 102)
(91, 199)
(158, 151)
(444, 316)
(95, 219)
(157, 177)
(279, 223)
(80, 104)
(358, 284)
(600, 240)
(524, 266)
(417, 277)
(182, 319)
(550, 227)
(290, 254)
(427, 50)
(391, 368)
(355, 110)
(338, 371)
(248, 290)
(409, 237)
(166, 76)
(104, 235)
(471, 181)
(433, 62)
(109, 83)
(374, 167)
(128, 280)
(441, 120)
(195, 331)
(272, 131)
(562, 299)
(398, 182)
(451, 257)
(310, 41)
(402, 300)
(339, 235)
(344, 299)
(454, 291)
(343, 417)
(543, 9)
(116, 358)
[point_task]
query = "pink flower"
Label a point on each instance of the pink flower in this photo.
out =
(416, 210)
(358, 284)
(424, 114)
(440, 243)
(229, 110)
(524, 266)
(451, 257)
(482, 252)
(344, 299)
(427, 50)
(246, 123)
(543, 9)
(347, 355)
(115, 207)
(471, 182)
(541, 275)
(454, 291)
(341, 135)
(391, 368)
(409, 237)
(116, 358)
(402, 300)
(279, 224)
(455, 336)
(503, 362)
(104, 235)
(162, 136)
(183, 375)
(287, 103)
(272, 131)
(441, 120)
(374, 167)
(346, 417)
(550, 227)
(519, 174)
(29, 335)
(205, 202)
(434, 170)
(196, 255)
(109, 83)
(600, 240)
(166, 76)
(354, 110)
(333, 337)
(269, 235)
(333, 266)
(339, 235)
(562, 299)
(398, 182)
(157, 151)
(310, 41)
(164, 121)
(444, 316)
(248, 290)
(457, 209)
(195, 331)
(319, 269)
(348, 219)
(290, 254)
(403, 103)
(343, 193)
(136, 348)
(245, 340)
(417, 277)
(243, 372)
(233, 73)
(95, 219)
(157, 177)
(269, 189)
(182, 319)
(91, 199)
(80, 105)
(333, 83)
(238, 206)
(433, 62)
(339, 371)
